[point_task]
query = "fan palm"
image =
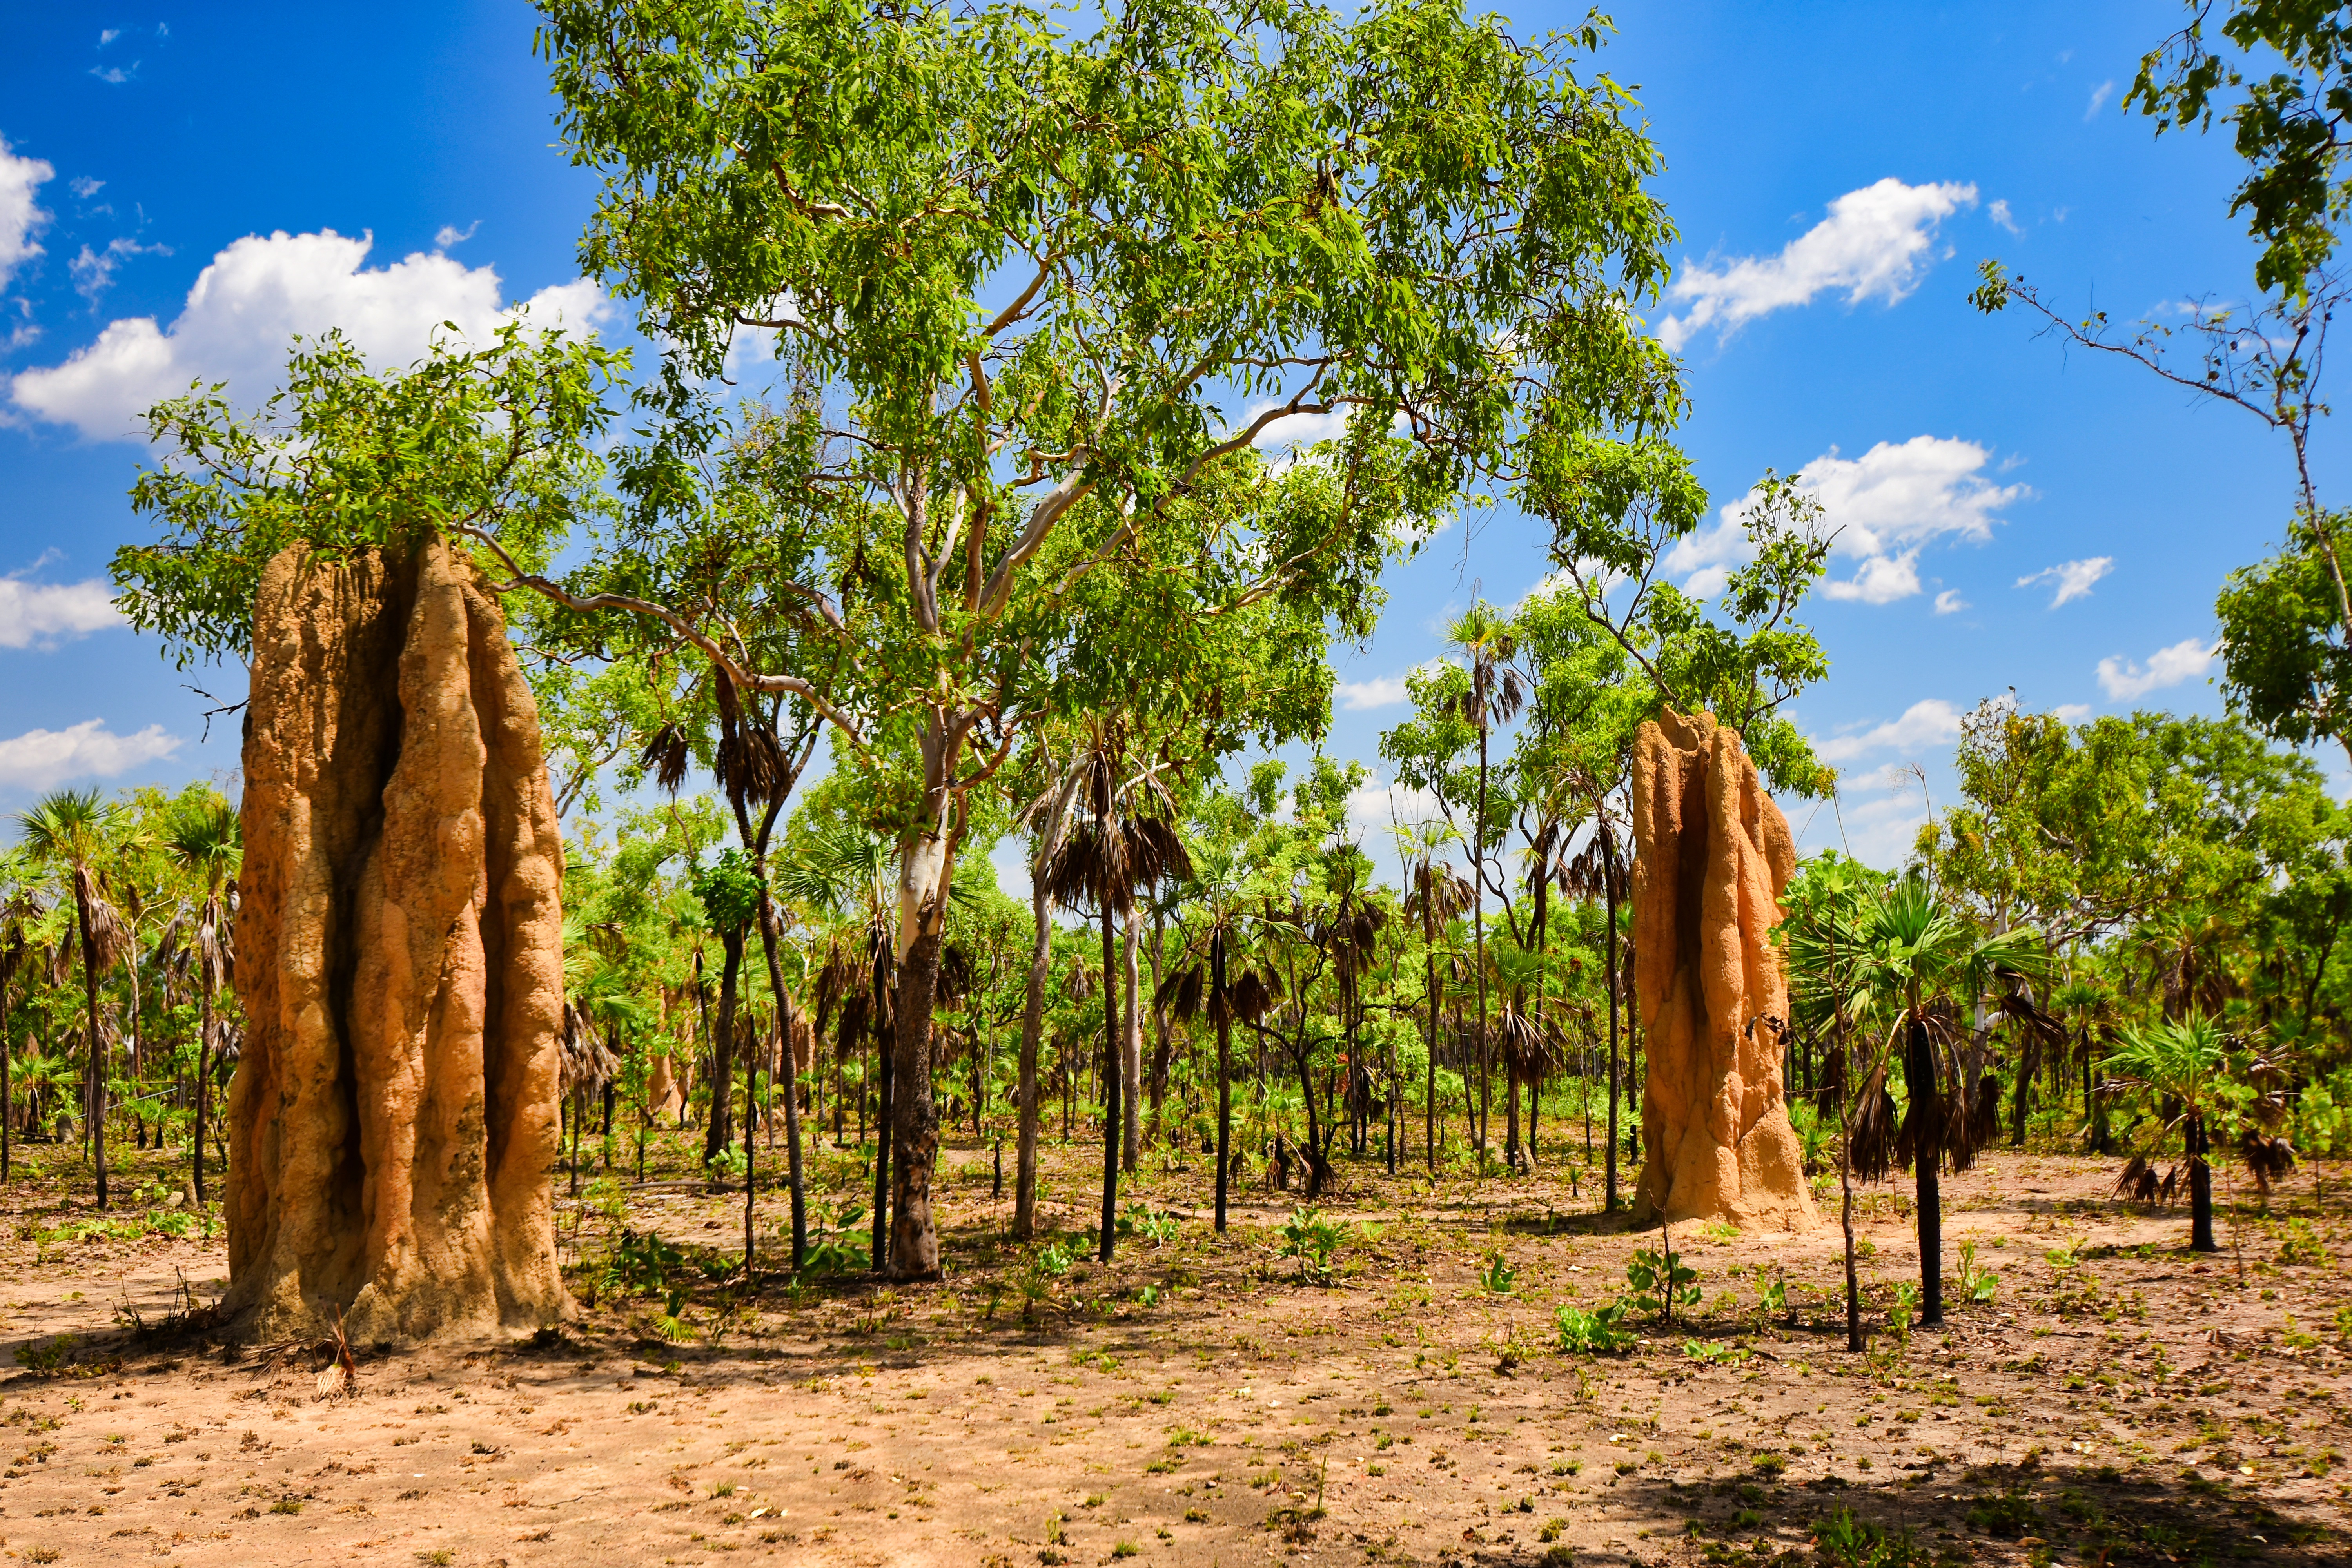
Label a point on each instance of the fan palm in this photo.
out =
(203, 838)
(72, 831)
(2182, 1064)
(1105, 858)
(1912, 956)
(1435, 897)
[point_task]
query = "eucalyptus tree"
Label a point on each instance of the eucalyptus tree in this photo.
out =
(1032, 332)
(72, 832)
(203, 839)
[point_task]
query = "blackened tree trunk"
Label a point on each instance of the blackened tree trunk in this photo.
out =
(721, 1131)
(882, 1123)
(1110, 1077)
(1928, 1154)
(94, 1098)
(1609, 900)
(2201, 1186)
(1224, 1070)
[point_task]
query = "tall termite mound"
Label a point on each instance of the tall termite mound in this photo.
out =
(399, 954)
(1713, 854)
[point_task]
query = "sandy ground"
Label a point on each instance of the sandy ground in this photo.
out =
(2118, 1400)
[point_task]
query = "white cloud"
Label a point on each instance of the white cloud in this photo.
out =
(42, 612)
(2071, 712)
(1883, 505)
(93, 270)
(2124, 680)
(1875, 243)
(1879, 580)
(1931, 721)
(1377, 808)
(20, 216)
(1999, 212)
(84, 187)
(40, 759)
(252, 299)
(450, 233)
(1297, 429)
(1949, 602)
(2072, 579)
(1380, 691)
(2099, 96)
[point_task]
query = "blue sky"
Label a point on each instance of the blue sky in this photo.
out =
(181, 190)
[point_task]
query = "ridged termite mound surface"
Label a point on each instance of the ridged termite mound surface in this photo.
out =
(1713, 854)
(393, 1119)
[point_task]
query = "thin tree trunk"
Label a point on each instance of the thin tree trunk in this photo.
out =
(1478, 926)
(2200, 1188)
(722, 1130)
(94, 1100)
(1130, 1046)
(203, 1065)
(1110, 1080)
(1224, 1068)
(882, 1109)
(1429, 1099)
(1609, 901)
(1928, 1152)
(1032, 1028)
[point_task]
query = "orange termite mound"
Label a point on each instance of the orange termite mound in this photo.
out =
(399, 954)
(1713, 853)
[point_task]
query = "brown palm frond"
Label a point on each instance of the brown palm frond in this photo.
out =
(585, 1063)
(666, 755)
(2137, 1184)
(957, 977)
(749, 762)
(2267, 1159)
(1873, 1141)
(109, 934)
(1179, 994)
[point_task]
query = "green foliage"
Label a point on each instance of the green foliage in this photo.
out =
(1661, 1282)
(1597, 1331)
(1313, 1238)
(471, 444)
(1496, 1275)
(1977, 1283)
(1846, 1541)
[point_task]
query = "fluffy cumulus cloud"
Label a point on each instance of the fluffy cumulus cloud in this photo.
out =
(44, 612)
(1380, 691)
(42, 759)
(1885, 506)
(1929, 722)
(2070, 580)
(1874, 245)
(21, 216)
(2127, 680)
(252, 299)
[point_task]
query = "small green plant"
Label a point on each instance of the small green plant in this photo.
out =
(2301, 1246)
(1661, 1282)
(1597, 1332)
(1977, 1283)
(1141, 1221)
(1906, 1307)
(1771, 1295)
(640, 1263)
(1842, 1541)
(1496, 1277)
(1311, 1237)
(1716, 1352)
(45, 1360)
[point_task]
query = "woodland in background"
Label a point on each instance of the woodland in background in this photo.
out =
(992, 573)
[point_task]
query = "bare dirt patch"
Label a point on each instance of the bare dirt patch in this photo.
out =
(2116, 1400)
